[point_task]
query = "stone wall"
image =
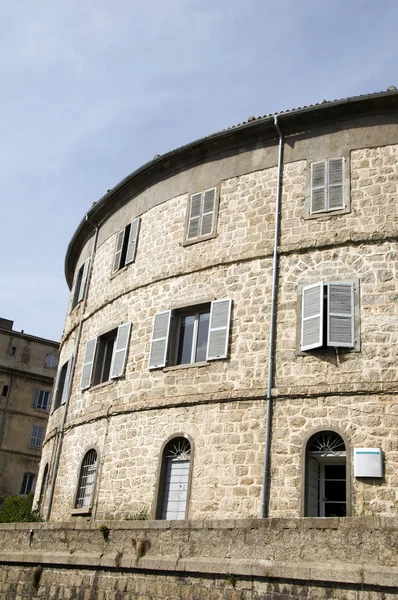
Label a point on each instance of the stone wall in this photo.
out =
(277, 559)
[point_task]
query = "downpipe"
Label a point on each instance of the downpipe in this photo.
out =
(271, 353)
(72, 373)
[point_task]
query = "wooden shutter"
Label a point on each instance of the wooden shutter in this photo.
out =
(132, 243)
(335, 183)
(120, 351)
(318, 187)
(312, 316)
(207, 220)
(88, 363)
(160, 339)
(118, 251)
(220, 315)
(340, 314)
(84, 280)
(35, 397)
(194, 216)
(65, 390)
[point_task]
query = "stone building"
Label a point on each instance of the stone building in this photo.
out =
(28, 366)
(230, 348)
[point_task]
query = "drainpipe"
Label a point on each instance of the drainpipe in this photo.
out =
(60, 435)
(267, 446)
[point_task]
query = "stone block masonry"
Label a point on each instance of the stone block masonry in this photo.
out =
(277, 559)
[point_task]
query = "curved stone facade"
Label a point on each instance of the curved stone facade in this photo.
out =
(221, 404)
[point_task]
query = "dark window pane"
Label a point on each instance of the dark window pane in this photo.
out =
(203, 334)
(334, 471)
(186, 339)
(335, 490)
(335, 510)
(108, 351)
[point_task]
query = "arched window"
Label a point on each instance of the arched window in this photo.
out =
(43, 486)
(87, 477)
(174, 480)
(326, 476)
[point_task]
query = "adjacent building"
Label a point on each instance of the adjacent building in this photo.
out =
(27, 368)
(230, 348)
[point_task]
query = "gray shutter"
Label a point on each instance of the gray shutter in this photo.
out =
(88, 363)
(209, 204)
(84, 280)
(160, 339)
(65, 391)
(341, 314)
(35, 397)
(312, 316)
(118, 251)
(220, 315)
(318, 187)
(132, 243)
(335, 183)
(120, 350)
(55, 390)
(194, 216)
(71, 305)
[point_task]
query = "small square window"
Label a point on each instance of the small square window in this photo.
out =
(201, 216)
(126, 245)
(12, 351)
(41, 399)
(51, 361)
(36, 438)
(328, 187)
(28, 483)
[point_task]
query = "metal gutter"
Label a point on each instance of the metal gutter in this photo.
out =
(264, 507)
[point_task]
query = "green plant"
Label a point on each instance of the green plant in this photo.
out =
(18, 509)
(232, 579)
(104, 530)
(142, 515)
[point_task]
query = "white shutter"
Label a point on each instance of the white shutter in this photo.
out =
(65, 391)
(194, 216)
(341, 314)
(220, 315)
(335, 183)
(118, 250)
(120, 350)
(318, 187)
(160, 338)
(88, 363)
(207, 220)
(84, 280)
(35, 397)
(312, 316)
(132, 243)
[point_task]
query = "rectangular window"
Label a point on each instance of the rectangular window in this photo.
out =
(12, 351)
(126, 245)
(190, 335)
(79, 286)
(4, 391)
(328, 315)
(51, 361)
(202, 214)
(105, 356)
(27, 484)
(327, 186)
(37, 436)
(41, 399)
(62, 384)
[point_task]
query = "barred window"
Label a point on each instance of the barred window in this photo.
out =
(87, 477)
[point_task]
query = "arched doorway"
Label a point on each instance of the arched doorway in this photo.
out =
(326, 475)
(174, 479)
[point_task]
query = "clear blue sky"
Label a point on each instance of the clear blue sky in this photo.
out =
(93, 89)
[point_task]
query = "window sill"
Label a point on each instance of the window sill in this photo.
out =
(199, 239)
(101, 385)
(84, 510)
(327, 213)
(34, 447)
(187, 366)
(121, 270)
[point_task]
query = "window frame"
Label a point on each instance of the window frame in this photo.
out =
(201, 238)
(80, 284)
(125, 236)
(62, 385)
(308, 213)
(37, 393)
(35, 429)
(95, 373)
(86, 508)
(49, 358)
(32, 489)
(325, 333)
